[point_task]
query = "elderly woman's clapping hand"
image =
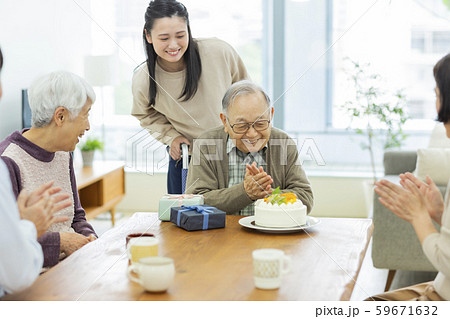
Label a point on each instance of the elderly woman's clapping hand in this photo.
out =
(39, 206)
(433, 196)
(406, 202)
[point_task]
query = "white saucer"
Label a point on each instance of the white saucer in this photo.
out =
(249, 222)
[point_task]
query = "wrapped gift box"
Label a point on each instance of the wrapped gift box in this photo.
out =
(169, 201)
(197, 217)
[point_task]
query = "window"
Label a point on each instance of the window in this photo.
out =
(295, 49)
(402, 40)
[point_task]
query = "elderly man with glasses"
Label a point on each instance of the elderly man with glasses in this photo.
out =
(234, 165)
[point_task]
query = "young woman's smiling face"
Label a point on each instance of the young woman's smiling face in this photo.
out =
(170, 40)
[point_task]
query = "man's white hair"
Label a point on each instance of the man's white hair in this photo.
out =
(243, 87)
(56, 89)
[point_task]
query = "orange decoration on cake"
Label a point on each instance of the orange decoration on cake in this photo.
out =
(278, 198)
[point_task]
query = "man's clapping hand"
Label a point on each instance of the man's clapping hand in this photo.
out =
(257, 183)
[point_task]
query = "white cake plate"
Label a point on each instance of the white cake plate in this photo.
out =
(249, 222)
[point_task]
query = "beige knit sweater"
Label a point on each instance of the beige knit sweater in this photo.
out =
(437, 249)
(208, 171)
(170, 117)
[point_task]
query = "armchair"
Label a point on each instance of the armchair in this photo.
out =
(395, 244)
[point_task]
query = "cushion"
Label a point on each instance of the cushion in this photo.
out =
(434, 162)
(438, 138)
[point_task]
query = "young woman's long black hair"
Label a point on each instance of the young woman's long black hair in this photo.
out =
(1, 59)
(165, 9)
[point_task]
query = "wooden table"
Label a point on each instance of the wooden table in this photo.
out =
(213, 264)
(101, 187)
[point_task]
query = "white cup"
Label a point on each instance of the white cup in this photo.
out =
(155, 274)
(269, 267)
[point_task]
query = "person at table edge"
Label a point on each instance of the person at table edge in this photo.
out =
(21, 223)
(245, 159)
(60, 103)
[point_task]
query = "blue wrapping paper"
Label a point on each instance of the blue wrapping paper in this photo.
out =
(197, 217)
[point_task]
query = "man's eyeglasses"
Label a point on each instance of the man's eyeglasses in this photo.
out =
(241, 128)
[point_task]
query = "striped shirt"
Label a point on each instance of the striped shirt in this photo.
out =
(237, 161)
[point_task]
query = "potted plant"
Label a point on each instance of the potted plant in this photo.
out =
(380, 114)
(88, 150)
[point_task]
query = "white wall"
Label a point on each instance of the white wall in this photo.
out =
(333, 196)
(142, 192)
(341, 196)
(38, 37)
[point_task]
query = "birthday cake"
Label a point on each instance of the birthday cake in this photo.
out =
(280, 210)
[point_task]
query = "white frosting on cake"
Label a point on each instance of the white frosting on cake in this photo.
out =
(284, 215)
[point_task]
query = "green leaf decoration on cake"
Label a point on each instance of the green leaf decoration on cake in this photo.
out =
(275, 198)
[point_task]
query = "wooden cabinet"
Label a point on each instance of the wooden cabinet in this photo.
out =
(101, 187)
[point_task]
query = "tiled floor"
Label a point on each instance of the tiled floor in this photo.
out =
(371, 281)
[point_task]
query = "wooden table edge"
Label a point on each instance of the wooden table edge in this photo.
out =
(350, 287)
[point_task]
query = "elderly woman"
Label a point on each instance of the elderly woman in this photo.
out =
(419, 203)
(20, 225)
(60, 104)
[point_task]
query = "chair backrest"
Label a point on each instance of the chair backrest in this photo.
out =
(398, 162)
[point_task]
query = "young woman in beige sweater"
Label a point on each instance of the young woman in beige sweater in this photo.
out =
(177, 92)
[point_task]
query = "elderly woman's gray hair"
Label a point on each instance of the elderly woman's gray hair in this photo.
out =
(243, 87)
(56, 89)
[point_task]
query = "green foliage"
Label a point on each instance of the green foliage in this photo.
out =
(91, 144)
(446, 3)
(276, 198)
(382, 113)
